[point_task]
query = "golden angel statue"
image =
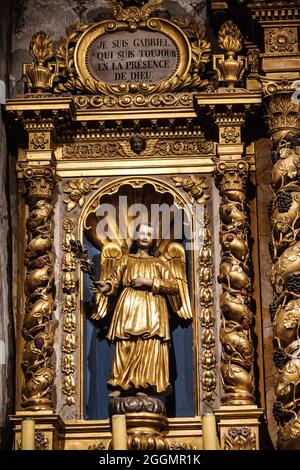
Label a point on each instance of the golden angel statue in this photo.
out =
(139, 285)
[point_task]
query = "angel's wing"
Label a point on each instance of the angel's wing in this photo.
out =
(174, 256)
(110, 256)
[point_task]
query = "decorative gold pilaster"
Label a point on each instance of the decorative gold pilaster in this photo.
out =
(69, 307)
(283, 119)
(39, 289)
(207, 320)
(235, 277)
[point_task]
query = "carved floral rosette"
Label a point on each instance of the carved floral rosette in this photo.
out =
(39, 289)
(283, 120)
(235, 300)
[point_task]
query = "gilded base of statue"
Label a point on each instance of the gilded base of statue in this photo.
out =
(146, 421)
(240, 398)
(38, 404)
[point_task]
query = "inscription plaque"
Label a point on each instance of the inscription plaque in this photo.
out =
(142, 56)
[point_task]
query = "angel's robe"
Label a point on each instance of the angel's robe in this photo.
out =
(140, 325)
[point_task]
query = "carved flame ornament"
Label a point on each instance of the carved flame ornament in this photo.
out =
(230, 67)
(41, 72)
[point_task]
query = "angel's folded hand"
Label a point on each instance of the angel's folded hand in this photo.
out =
(99, 286)
(141, 283)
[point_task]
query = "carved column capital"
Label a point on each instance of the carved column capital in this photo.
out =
(232, 175)
(39, 180)
(282, 113)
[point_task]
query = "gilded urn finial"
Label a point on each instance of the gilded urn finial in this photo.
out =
(230, 67)
(41, 72)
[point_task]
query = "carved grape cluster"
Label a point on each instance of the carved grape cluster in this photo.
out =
(272, 310)
(293, 283)
(279, 358)
(284, 201)
(278, 411)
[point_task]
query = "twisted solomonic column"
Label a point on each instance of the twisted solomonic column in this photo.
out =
(235, 301)
(284, 123)
(39, 290)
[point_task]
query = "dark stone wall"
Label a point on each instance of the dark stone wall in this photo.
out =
(7, 342)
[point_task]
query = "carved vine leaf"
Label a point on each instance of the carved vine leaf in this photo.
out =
(77, 191)
(41, 47)
(240, 439)
(195, 187)
(41, 442)
(230, 37)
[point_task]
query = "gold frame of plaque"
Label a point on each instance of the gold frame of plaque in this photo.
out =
(154, 25)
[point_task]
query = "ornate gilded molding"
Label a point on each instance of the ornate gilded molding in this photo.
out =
(240, 439)
(138, 100)
(39, 289)
(77, 191)
(154, 148)
(282, 116)
(207, 319)
(69, 306)
(235, 277)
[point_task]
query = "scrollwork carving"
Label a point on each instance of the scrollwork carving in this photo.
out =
(235, 277)
(39, 289)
